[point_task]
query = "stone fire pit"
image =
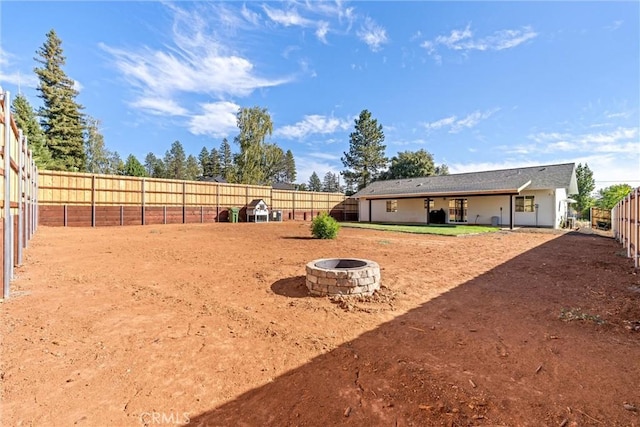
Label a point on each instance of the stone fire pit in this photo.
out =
(340, 276)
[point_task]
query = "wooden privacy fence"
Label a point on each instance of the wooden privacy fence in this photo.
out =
(626, 224)
(19, 193)
(600, 218)
(90, 200)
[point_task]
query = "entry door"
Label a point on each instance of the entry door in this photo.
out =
(458, 210)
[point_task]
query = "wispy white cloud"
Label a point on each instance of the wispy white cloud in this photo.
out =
(372, 34)
(9, 74)
(614, 25)
(249, 15)
(471, 120)
(619, 140)
(464, 41)
(159, 106)
(438, 124)
(325, 156)
(286, 18)
(312, 124)
(217, 119)
(196, 62)
(456, 125)
(321, 32)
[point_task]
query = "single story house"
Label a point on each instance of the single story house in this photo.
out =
(531, 196)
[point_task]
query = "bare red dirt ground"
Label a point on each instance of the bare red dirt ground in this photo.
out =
(211, 325)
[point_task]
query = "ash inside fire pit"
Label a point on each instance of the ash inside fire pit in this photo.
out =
(343, 277)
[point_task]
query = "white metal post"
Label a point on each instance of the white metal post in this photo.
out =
(20, 198)
(8, 227)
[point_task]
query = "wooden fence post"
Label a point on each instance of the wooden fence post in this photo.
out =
(184, 202)
(93, 200)
(143, 201)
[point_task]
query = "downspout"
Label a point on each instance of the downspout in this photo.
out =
(369, 210)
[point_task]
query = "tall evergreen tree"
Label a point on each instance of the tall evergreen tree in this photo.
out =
(214, 162)
(26, 119)
(98, 157)
(175, 162)
(366, 155)
(226, 161)
(314, 182)
(133, 167)
(331, 184)
(61, 117)
(154, 166)
(192, 168)
(290, 168)
(586, 184)
(205, 162)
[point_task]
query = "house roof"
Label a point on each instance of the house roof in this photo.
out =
(283, 186)
(255, 202)
(504, 181)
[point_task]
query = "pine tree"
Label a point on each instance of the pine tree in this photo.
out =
(175, 161)
(26, 119)
(314, 182)
(366, 155)
(330, 183)
(61, 119)
(290, 168)
(133, 167)
(192, 168)
(154, 166)
(205, 162)
(214, 162)
(97, 154)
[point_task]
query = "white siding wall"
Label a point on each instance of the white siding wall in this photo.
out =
(480, 209)
(487, 206)
(545, 199)
(363, 214)
(409, 210)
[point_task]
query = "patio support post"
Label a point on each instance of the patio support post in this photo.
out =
(511, 212)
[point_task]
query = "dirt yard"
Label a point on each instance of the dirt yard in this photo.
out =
(211, 325)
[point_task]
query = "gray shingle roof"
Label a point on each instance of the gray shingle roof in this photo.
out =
(487, 182)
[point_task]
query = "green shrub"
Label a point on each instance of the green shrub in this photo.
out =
(324, 227)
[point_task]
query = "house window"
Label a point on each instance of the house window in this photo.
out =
(524, 204)
(392, 206)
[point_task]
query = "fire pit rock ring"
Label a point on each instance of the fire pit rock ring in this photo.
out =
(340, 276)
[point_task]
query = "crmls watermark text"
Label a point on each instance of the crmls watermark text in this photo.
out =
(159, 418)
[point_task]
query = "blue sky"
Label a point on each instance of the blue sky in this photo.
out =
(480, 85)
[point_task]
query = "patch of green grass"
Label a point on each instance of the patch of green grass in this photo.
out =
(443, 230)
